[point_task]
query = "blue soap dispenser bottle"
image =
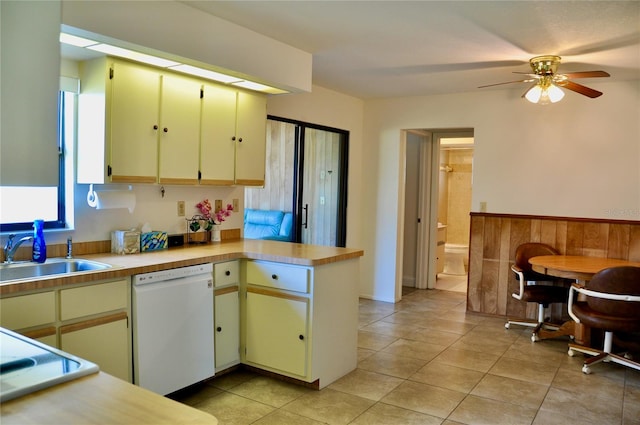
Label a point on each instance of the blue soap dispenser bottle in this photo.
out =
(39, 245)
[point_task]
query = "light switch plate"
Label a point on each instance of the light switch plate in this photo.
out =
(218, 205)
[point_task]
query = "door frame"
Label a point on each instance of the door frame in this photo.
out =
(428, 189)
(297, 201)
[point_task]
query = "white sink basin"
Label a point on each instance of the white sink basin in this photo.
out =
(27, 366)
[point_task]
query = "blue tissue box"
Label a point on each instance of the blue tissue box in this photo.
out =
(153, 241)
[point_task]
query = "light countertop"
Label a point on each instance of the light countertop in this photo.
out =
(101, 399)
(188, 255)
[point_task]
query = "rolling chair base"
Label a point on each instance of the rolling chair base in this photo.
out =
(540, 330)
(601, 356)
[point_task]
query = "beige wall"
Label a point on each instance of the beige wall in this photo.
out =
(578, 158)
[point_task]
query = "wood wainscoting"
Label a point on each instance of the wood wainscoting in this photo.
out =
(495, 237)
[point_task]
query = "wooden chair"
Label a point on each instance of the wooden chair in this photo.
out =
(535, 287)
(613, 305)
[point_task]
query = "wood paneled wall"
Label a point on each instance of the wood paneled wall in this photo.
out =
(495, 237)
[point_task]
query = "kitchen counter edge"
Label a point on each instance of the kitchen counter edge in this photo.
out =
(188, 255)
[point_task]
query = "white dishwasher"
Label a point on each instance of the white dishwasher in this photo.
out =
(173, 335)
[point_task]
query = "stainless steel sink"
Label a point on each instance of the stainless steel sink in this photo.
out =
(27, 366)
(53, 266)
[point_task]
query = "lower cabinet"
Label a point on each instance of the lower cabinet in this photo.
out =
(103, 341)
(32, 315)
(301, 321)
(89, 321)
(277, 331)
(95, 325)
(227, 327)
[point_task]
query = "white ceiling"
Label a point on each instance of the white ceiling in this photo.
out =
(376, 49)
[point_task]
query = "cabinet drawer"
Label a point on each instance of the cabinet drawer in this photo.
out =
(279, 276)
(28, 310)
(227, 273)
(93, 299)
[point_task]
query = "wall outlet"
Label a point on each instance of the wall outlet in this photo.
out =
(483, 206)
(235, 204)
(181, 209)
(218, 205)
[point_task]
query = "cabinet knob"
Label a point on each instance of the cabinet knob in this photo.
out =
(155, 127)
(301, 337)
(233, 138)
(166, 130)
(274, 276)
(227, 273)
(219, 329)
(240, 140)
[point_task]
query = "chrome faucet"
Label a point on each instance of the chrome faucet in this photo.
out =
(69, 248)
(10, 249)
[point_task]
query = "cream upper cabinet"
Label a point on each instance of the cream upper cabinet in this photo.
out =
(139, 124)
(233, 144)
(251, 133)
(118, 122)
(179, 131)
(134, 124)
(217, 154)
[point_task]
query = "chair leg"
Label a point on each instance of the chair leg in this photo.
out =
(604, 355)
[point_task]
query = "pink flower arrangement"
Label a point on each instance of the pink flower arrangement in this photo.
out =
(213, 218)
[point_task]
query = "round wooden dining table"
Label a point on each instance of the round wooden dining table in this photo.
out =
(578, 267)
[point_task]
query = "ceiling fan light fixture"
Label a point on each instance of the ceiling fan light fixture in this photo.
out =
(544, 93)
(555, 93)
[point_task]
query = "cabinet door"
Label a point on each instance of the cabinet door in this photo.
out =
(134, 123)
(179, 130)
(217, 157)
(251, 128)
(227, 328)
(94, 299)
(276, 332)
(227, 273)
(27, 311)
(104, 342)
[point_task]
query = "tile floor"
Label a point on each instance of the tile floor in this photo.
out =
(425, 361)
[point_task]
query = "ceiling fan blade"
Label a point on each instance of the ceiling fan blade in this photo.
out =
(508, 82)
(579, 88)
(586, 74)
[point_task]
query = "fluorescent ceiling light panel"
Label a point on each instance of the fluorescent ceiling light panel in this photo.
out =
(205, 73)
(76, 41)
(165, 63)
(251, 85)
(130, 54)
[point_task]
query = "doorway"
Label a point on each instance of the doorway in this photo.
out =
(306, 174)
(438, 165)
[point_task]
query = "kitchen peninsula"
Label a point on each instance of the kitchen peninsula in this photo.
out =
(319, 283)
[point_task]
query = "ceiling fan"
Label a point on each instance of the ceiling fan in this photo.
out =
(547, 82)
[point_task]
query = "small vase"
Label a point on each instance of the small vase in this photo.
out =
(215, 233)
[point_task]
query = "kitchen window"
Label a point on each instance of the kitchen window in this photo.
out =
(21, 205)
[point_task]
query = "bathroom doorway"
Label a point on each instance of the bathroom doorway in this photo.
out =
(454, 204)
(437, 199)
